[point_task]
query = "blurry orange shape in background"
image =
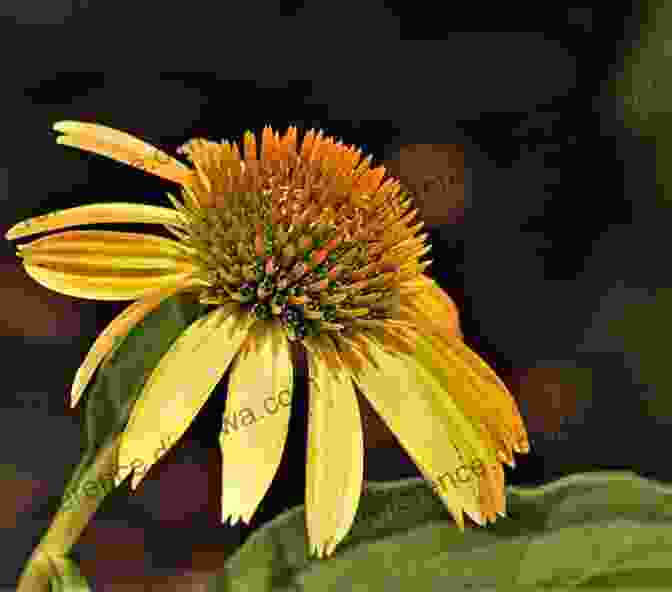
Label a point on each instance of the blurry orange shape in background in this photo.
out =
(434, 173)
(551, 395)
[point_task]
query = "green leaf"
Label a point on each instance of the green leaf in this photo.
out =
(643, 81)
(119, 381)
(644, 86)
(603, 530)
(640, 329)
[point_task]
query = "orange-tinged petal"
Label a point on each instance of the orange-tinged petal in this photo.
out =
(430, 308)
(122, 147)
(105, 213)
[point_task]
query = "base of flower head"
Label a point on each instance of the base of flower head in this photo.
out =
(307, 276)
(299, 315)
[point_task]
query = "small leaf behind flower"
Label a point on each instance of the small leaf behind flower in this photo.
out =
(120, 379)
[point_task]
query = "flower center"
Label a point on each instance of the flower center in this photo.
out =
(306, 235)
(311, 276)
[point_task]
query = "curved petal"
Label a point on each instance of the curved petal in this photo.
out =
(116, 331)
(256, 420)
(101, 251)
(429, 307)
(105, 213)
(482, 399)
(335, 455)
(122, 147)
(102, 287)
(178, 387)
(430, 427)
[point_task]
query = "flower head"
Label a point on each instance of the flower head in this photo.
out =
(299, 243)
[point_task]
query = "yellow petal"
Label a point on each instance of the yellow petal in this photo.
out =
(105, 213)
(334, 465)
(117, 330)
(499, 395)
(178, 387)
(430, 308)
(446, 307)
(100, 251)
(103, 252)
(102, 287)
(431, 429)
(483, 400)
(483, 404)
(123, 147)
(256, 420)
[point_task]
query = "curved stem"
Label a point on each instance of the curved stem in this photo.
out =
(69, 522)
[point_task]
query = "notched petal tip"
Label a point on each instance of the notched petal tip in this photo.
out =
(476, 517)
(120, 475)
(233, 518)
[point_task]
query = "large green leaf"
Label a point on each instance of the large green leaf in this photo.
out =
(605, 530)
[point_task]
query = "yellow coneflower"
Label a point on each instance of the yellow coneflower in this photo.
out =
(295, 245)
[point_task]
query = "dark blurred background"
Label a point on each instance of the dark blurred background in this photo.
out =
(545, 201)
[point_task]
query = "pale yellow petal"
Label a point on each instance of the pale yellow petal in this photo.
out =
(473, 443)
(122, 147)
(178, 387)
(116, 331)
(334, 464)
(105, 213)
(102, 287)
(256, 420)
(409, 403)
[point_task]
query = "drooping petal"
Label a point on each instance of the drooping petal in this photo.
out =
(334, 465)
(103, 252)
(104, 213)
(178, 387)
(256, 420)
(102, 287)
(483, 403)
(494, 393)
(429, 426)
(117, 330)
(122, 147)
(482, 392)
(429, 307)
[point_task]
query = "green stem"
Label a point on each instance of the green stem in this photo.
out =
(68, 524)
